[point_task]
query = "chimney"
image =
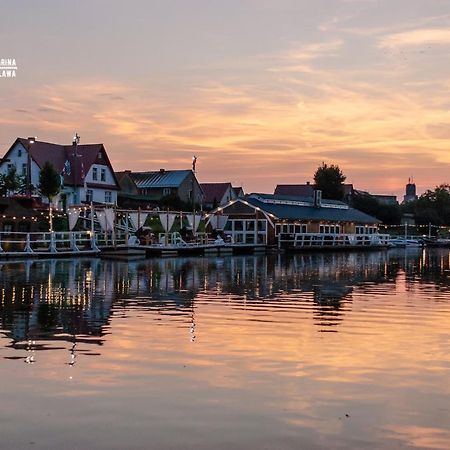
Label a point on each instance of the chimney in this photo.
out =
(308, 183)
(162, 170)
(317, 198)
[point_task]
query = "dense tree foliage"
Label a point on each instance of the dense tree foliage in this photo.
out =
(431, 207)
(10, 183)
(49, 181)
(388, 214)
(330, 180)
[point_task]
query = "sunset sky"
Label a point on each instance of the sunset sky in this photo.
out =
(262, 91)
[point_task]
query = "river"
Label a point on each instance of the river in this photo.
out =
(310, 351)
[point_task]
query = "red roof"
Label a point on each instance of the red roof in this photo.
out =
(296, 190)
(214, 192)
(57, 155)
(304, 190)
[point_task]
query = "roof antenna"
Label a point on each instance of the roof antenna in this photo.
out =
(76, 139)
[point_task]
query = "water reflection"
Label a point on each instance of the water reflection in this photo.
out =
(345, 350)
(64, 300)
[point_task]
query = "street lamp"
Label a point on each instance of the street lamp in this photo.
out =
(31, 141)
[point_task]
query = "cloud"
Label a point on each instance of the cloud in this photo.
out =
(414, 38)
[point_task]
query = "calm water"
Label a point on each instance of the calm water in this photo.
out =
(329, 351)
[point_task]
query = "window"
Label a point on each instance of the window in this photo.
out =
(24, 227)
(89, 195)
(10, 166)
(166, 191)
(8, 227)
(108, 197)
(103, 175)
(24, 168)
(329, 229)
(94, 173)
(19, 152)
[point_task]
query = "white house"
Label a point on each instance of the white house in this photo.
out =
(86, 171)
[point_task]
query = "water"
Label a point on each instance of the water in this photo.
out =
(332, 351)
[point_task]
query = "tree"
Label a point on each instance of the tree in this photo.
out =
(10, 182)
(431, 207)
(49, 181)
(330, 179)
(49, 185)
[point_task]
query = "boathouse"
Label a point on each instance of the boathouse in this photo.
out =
(276, 219)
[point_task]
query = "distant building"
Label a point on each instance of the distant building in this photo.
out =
(218, 194)
(388, 200)
(410, 192)
(153, 186)
(307, 190)
(86, 172)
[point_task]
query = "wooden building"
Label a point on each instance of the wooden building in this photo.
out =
(272, 219)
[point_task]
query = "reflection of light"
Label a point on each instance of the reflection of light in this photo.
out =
(89, 276)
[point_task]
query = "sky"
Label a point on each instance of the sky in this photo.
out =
(261, 91)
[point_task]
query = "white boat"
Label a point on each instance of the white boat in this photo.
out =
(403, 242)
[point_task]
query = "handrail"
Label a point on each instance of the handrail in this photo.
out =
(46, 241)
(334, 240)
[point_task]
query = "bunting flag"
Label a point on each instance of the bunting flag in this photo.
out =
(110, 215)
(167, 220)
(193, 219)
(101, 217)
(134, 219)
(73, 214)
(218, 221)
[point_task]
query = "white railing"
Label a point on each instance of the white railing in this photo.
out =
(47, 242)
(305, 240)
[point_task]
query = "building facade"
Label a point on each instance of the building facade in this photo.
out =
(269, 219)
(86, 171)
(219, 194)
(153, 186)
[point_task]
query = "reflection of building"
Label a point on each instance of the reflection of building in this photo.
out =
(58, 300)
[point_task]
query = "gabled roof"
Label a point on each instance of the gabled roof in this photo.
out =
(57, 155)
(214, 191)
(159, 179)
(302, 208)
